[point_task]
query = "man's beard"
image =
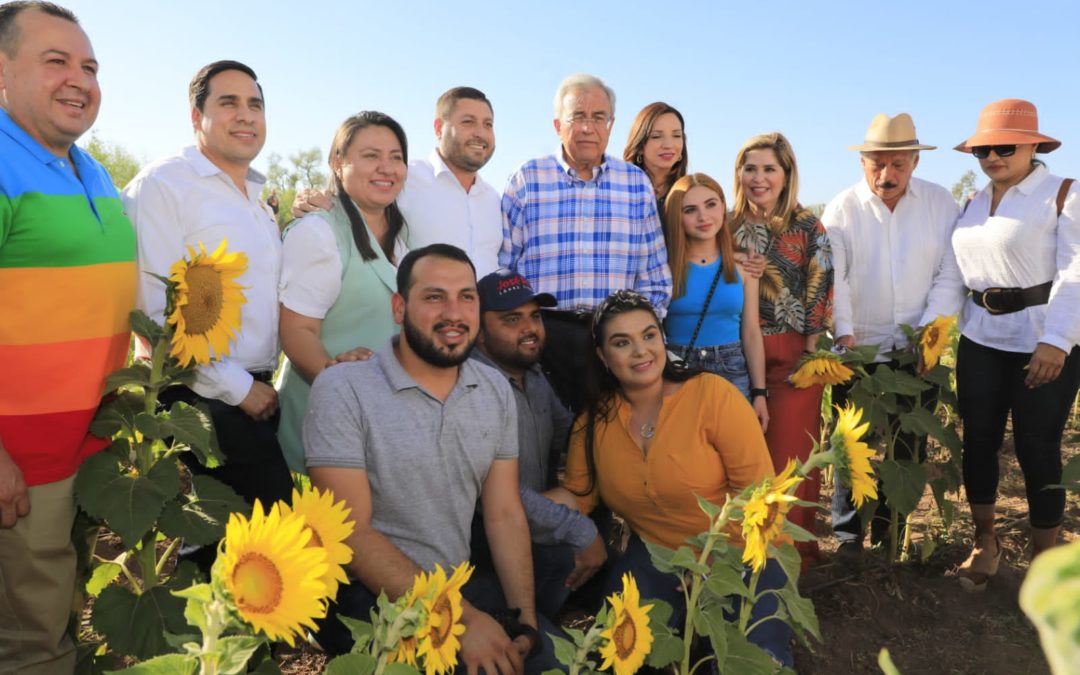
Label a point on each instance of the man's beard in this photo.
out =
(511, 356)
(430, 352)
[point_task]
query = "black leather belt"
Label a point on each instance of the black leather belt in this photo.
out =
(573, 316)
(265, 376)
(1009, 300)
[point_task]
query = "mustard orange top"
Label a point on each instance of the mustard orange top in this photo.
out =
(708, 442)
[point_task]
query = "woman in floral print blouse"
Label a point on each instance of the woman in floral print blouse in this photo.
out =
(796, 298)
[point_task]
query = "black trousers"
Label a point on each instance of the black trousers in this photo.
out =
(254, 466)
(565, 359)
(846, 521)
(990, 386)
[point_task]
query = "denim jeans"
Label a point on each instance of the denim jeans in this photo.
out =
(774, 636)
(727, 361)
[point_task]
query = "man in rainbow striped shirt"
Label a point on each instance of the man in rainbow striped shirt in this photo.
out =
(67, 270)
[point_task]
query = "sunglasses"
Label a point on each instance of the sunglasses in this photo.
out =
(983, 151)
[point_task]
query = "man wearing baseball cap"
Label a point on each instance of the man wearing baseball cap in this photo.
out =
(566, 547)
(889, 233)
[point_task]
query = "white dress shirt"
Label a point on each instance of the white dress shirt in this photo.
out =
(1023, 244)
(439, 211)
(183, 200)
(886, 261)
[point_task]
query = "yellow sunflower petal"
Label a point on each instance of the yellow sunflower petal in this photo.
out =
(764, 514)
(852, 456)
(329, 528)
(273, 578)
(206, 303)
(628, 638)
(934, 339)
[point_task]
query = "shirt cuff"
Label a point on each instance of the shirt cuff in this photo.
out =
(1057, 341)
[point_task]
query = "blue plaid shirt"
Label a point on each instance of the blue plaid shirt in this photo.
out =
(583, 240)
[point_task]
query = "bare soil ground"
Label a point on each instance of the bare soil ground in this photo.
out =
(916, 609)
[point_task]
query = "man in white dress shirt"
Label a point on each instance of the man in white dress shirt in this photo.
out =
(890, 233)
(205, 194)
(445, 201)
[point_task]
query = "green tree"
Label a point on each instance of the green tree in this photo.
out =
(963, 187)
(306, 165)
(120, 163)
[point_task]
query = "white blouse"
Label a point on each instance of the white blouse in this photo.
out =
(311, 266)
(1023, 244)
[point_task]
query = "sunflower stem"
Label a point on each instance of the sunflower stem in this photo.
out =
(748, 604)
(173, 545)
(147, 557)
(696, 583)
(215, 623)
(391, 638)
(894, 519)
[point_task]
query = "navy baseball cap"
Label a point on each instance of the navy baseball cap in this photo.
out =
(504, 290)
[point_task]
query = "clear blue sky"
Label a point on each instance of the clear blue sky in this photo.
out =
(818, 71)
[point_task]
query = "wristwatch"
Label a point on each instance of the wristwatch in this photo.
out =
(754, 393)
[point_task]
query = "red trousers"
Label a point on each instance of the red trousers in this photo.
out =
(794, 425)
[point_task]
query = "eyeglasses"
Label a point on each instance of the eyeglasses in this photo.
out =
(596, 121)
(983, 151)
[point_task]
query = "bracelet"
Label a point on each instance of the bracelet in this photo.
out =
(509, 620)
(755, 392)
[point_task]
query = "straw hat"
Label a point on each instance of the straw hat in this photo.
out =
(1009, 121)
(891, 133)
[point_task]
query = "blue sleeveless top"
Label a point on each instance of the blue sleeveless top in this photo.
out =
(722, 322)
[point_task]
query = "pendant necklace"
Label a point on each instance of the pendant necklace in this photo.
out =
(648, 430)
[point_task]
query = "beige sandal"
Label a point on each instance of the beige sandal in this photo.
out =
(976, 571)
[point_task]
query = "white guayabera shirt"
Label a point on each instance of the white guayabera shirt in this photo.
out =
(886, 261)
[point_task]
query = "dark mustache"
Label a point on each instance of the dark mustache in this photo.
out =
(885, 186)
(446, 324)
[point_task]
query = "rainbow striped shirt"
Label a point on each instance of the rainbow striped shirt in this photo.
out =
(67, 285)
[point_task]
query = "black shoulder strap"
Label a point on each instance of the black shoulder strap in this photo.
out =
(1063, 191)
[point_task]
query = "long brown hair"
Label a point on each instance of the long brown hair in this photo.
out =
(639, 136)
(675, 234)
(787, 206)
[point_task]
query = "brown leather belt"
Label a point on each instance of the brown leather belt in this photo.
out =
(1009, 300)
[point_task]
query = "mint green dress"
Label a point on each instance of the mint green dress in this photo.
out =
(361, 316)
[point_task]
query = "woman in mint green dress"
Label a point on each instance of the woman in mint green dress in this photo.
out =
(339, 266)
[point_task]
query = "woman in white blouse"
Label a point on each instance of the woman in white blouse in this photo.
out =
(339, 266)
(1017, 248)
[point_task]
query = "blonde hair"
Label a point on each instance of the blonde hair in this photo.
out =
(787, 206)
(676, 235)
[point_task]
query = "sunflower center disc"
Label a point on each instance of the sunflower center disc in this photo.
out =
(258, 583)
(205, 299)
(625, 636)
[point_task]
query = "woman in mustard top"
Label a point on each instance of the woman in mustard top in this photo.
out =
(651, 438)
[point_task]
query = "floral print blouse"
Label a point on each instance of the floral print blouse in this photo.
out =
(797, 287)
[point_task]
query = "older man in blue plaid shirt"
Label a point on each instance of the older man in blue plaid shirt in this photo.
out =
(581, 224)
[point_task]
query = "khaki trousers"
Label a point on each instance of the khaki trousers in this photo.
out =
(37, 585)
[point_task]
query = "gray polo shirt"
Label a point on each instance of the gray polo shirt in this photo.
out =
(425, 459)
(543, 424)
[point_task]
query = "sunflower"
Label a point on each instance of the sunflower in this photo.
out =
(852, 456)
(764, 512)
(405, 651)
(437, 637)
(628, 637)
(273, 577)
(206, 303)
(821, 367)
(329, 529)
(934, 337)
